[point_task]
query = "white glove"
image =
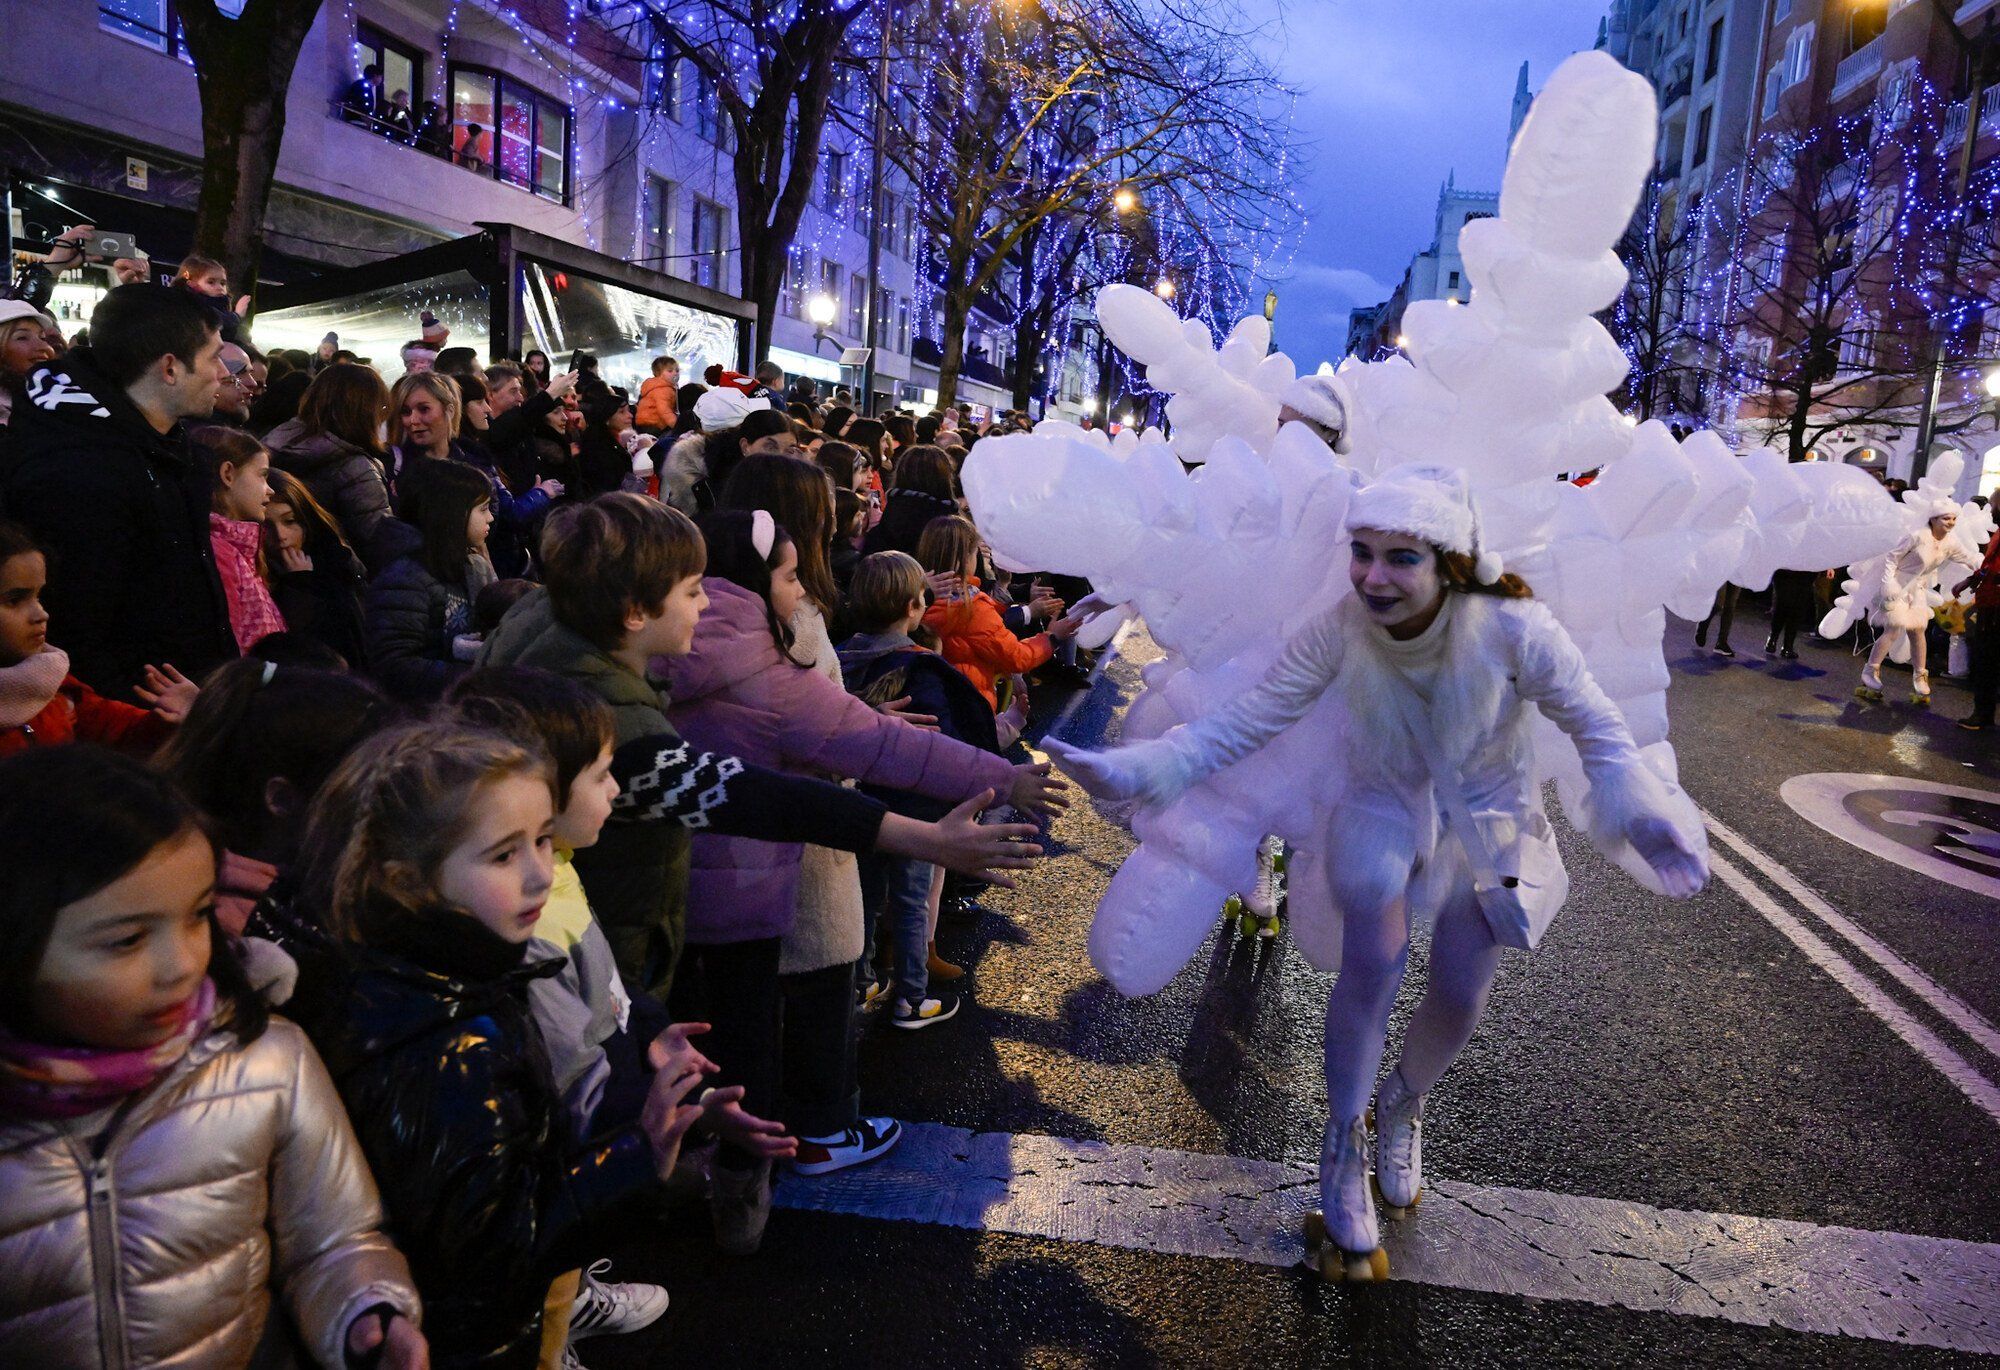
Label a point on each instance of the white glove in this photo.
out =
(1682, 869)
(1148, 771)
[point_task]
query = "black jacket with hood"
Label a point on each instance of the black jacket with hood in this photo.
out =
(123, 511)
(879, 667)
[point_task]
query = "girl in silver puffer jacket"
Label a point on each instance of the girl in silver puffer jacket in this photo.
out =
(167, 1155)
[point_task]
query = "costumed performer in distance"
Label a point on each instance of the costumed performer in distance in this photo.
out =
(1437, 652)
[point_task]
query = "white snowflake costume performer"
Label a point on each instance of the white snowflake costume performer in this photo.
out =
(1287, 705)
(1900, 590)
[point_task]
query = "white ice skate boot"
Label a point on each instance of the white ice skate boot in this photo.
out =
(1920, 689)
(1343, 1242)
(1399, 1145)
(1870, 688)
(1260, 912)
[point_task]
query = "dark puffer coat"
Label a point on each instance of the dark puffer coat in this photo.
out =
(437, 1057)
(123, 511)
(346, 480)
(882, 667)
(409, 619)
(905, 514)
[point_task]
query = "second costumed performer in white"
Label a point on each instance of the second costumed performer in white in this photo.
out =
(1437, 657)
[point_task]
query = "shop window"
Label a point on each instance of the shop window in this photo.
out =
(708, 245)
(502, 129)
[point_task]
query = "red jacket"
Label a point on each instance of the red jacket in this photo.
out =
(1986, 580)
(976, 639)
(79, 713)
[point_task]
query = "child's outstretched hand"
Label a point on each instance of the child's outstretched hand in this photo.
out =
(900, 708)
(1063, 629)
(960, 842)
(169, 693)
(1037, 790)
(667, 1116)
(387, 1339)
(723, 1113)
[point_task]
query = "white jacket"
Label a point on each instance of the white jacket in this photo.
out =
(1494, 659)
(1910, 573)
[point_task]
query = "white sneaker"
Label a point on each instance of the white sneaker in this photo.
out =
(1399, 1142)
(1348, 1204)
(937, 1008)
(603, 1309)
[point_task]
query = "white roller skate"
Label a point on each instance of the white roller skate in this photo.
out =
(1399, 1145)
(1870, 689)
(1920, 689)
(1260, 913)
(1343, 1243)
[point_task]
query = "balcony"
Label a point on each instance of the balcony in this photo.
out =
(1863, 66)
(1955, 118)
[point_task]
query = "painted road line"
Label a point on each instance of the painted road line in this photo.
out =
(1954, 1067)
(1949, 1006)
(1884, 1286)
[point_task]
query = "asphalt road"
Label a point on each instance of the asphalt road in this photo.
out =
(1685, 1056)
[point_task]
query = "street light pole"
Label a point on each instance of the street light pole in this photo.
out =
(1954, 245)
(870, 325)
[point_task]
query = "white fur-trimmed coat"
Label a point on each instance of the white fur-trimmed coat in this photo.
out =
(1384, 837)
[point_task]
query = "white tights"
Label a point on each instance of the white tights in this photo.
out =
(1374, 952)
(1919, 649)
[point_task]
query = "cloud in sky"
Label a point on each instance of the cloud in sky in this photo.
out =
(1394, 95)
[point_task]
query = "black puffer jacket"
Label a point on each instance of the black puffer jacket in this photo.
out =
(437, 1057)
(325, 603)
(123, 511)
(886, 666)
(905, 514)
(348, 481)
(409, 619)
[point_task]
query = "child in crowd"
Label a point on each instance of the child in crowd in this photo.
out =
(850, 521)
(883, 661)
(41, 703)
(429, 856)
(973, 635)
(738, 687)
(257, 745)
(422, 602)
(659, 398)
(141, 1079)
(316, 578)
(240, 469)
(624, 588)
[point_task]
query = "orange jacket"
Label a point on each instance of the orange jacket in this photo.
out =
(657, 407)
(977, 640)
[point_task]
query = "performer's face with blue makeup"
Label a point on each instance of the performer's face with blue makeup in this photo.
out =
(1396, 577)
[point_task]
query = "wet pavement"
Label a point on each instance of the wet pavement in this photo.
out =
(1810, 1043)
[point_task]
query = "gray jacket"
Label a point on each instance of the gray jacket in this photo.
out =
(152, 1235)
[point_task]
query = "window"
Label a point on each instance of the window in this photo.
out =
(707, 106)
(903, 324)
(1774, 86)
(832, 179)
(402, 65)
(1781, 11)
(1712, 63)
(153, 22)
(832, 278)
(662, 79)
(1798, 55)
(1857, 346)
(506, 131)
(857, 304)
(1452, 284)
(708, 245)
(882, 312)
(1864, 25)
(1704, 126)
(658, 246)
(798, 284)
(909, 232)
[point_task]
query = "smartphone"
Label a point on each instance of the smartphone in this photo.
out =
(110, 246)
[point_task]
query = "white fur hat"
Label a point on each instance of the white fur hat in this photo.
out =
(725, 407)
(1432, 503)
(1318, 398)
(1946, 508)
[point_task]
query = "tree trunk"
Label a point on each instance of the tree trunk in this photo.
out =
(243, 71)
(957, 309)
(771, 187)
(1029, 338)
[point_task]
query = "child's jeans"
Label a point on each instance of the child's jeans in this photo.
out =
(908, 905)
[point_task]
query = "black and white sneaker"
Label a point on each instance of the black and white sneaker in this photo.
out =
(933, 1010)
(604, 1310)
(870, 1139)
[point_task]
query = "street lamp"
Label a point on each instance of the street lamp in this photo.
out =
(1270, 306)
(821, 309)
(1125, 199)
(1993, 383)
(1164, 288)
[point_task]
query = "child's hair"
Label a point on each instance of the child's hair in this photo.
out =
(193, 267)
(217, 447)
(884, 584)
(17, 541)
(322, 530)
(72, 821)
(491, 604)
(797, 494)
(563, 720)
(733, 555)
(847, 510)
(947, 543)
(839, 460)
(928, 471)
(662, 363)
(389, 816)
(602, 557)
(902, 429)
(438, 386)
(866, 435)
(255, 722)
(440, 503)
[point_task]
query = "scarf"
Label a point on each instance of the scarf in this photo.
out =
(48, 1083)
(29, 684)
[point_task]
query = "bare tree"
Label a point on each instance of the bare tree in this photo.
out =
(243, 72)
(1649, 319)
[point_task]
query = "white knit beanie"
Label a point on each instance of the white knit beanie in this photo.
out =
(1431, 503)
(725, 407)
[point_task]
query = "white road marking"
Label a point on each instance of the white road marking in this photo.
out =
(1822, 801)
(1947, 1005)
(1885, 1286)
(1866, 992)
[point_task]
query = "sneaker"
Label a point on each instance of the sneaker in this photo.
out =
(1724, 649)
(872, 991)
(739, 1202)
(603, 1309)
(932, 1011)
(868, 1140)
(570, 1360)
